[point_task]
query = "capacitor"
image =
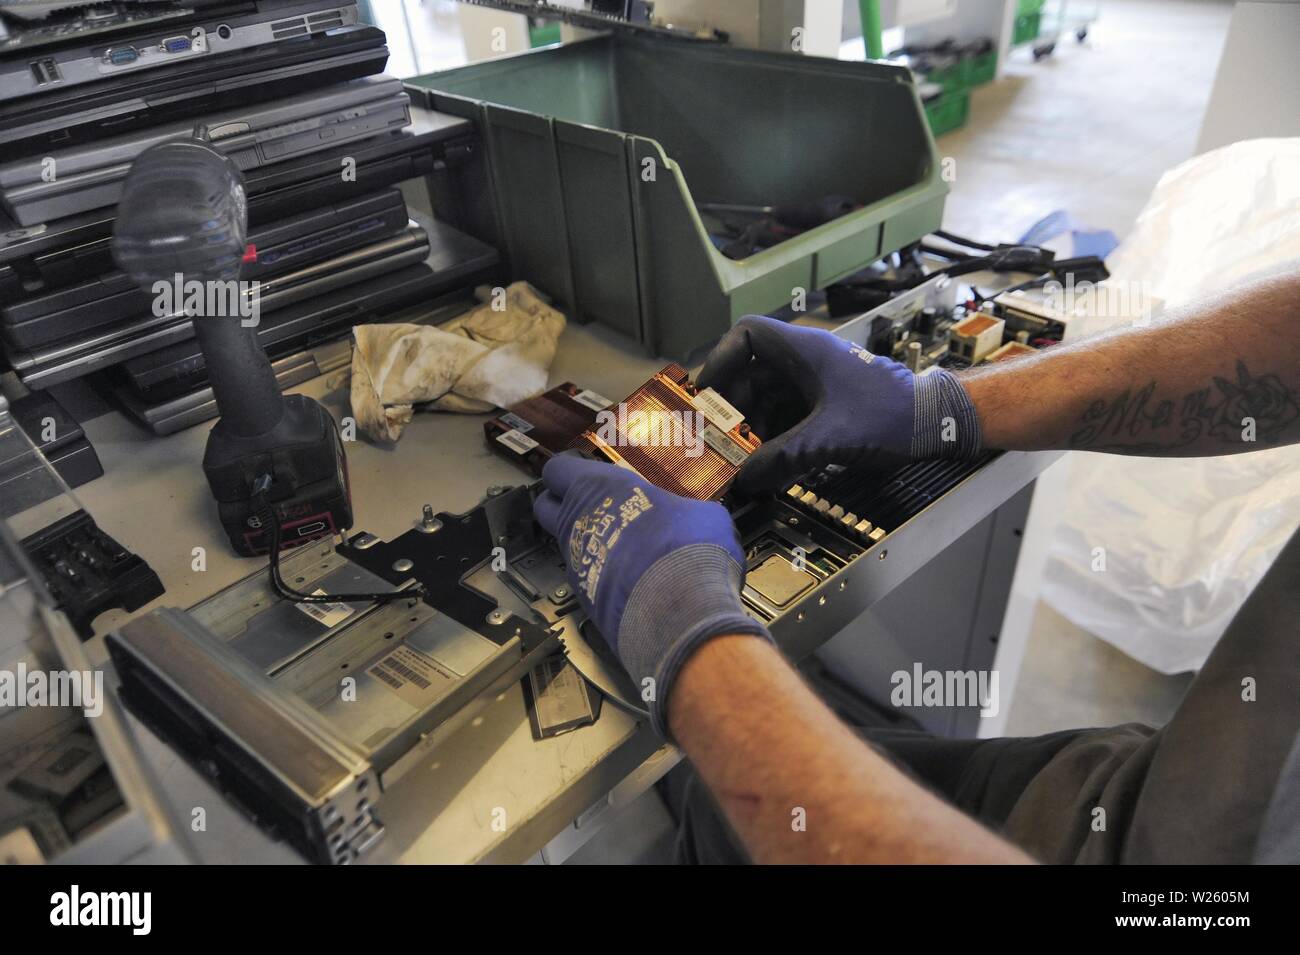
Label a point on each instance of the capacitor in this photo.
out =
(913, 356)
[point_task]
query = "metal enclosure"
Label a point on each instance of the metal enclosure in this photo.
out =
(136, 826)
(945, 617)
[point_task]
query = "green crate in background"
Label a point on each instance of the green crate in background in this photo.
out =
(954, 75)
(1029, 7)
(569, 133)
(544, 34)
(1026, 29)
(982, 69)
(948, 111)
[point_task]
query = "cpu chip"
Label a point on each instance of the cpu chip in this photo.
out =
(778, 581)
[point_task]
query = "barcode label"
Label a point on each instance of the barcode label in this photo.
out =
(403, 670)
(719, 442)
(414, 676)
(593, 400)
(516, 422)
(331, 615)
(517, 441)
(717, 409)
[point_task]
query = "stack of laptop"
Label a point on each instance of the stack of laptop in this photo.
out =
(293, 92)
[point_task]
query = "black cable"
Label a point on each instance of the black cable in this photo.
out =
(1029, 259)
(267, 514)
(952, 255)
(850, 297)
(956, 239)
(1032, 283)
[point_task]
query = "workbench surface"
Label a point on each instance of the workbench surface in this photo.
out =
(490, 792)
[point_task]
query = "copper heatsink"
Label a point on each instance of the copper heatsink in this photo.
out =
(659, 432)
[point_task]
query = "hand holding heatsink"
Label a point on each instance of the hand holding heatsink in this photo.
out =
(685, 440)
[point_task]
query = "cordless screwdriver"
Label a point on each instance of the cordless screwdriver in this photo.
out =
(274, 463)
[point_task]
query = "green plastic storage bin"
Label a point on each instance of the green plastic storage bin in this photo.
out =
(597, 151)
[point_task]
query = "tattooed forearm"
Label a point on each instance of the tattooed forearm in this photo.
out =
(1251, 408)
(1218, 375)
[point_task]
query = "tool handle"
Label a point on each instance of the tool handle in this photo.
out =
(183, 218)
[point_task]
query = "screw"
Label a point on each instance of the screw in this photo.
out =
(497, 617)
(560, 593)
(403, 564)
(428, 523)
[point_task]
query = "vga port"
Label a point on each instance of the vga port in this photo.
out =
(177, 44)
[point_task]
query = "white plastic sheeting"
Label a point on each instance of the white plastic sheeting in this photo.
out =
(1184, 541)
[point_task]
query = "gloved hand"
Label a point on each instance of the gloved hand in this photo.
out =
(657, 573)
(815, 399)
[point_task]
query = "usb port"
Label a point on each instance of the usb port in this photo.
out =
(121, 55)
(176, 44)
(45, 71)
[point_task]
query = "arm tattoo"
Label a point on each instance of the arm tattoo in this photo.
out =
(1260, 406)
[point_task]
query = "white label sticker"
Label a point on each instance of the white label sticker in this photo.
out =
(719, 442)
(331, 615)
(517, 441)
(414, 676)
(593, 400)
(717, 409)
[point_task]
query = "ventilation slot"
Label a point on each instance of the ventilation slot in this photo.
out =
(301, 26)
(283, 29)
(325, 20)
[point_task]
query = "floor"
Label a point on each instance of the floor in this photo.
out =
(1065, 132)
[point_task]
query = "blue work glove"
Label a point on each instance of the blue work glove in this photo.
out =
(817, 399)
(657, 573)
